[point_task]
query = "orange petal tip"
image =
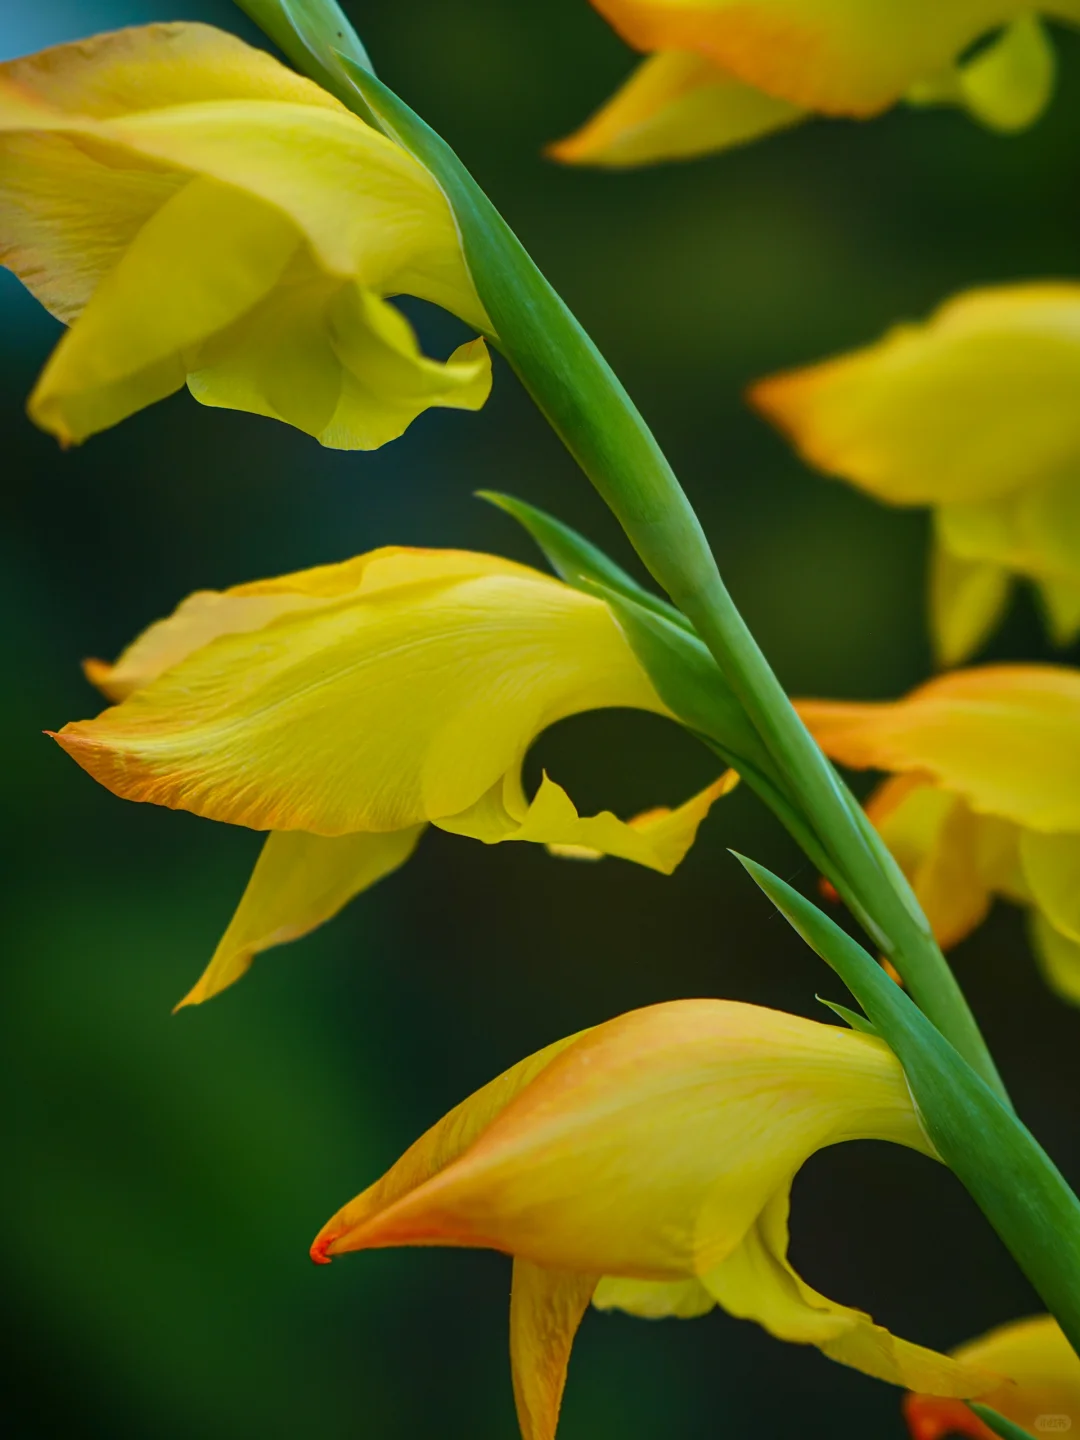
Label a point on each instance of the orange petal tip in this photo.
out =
(319, 1249)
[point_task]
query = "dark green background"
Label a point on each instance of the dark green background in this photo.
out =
(165, 1175)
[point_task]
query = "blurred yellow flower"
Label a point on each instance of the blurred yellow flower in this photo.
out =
(984, 799)
(199, 214)
(975, 413)
(1042, 1393)
(646, 1165)
(346, 707)
(722, 72)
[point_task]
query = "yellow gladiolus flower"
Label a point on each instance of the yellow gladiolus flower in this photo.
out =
(984, 799)
(197, 213)
(973, 413)
(344, 708)
(722, 72)
(646, 1165)
(1042, 1393)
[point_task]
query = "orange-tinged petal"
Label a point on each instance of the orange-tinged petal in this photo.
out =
(675, 105)
(940, 846)
(1042, 1393)
(976, 402)
(376, 710)
(299, 882)
(546, 1307)
(657, 1151)
(436, 1149)
(1004, 737)
(693, 1112)
(843, 57)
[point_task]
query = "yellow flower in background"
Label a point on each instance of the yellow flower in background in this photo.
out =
(346, 707)
(723, 72)
(974, 413)
(984, 799)
(1043, 1372)
(197, 213)
(646, 1165)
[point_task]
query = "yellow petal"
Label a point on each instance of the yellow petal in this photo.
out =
(828, 55)
(654, 1299)
(757, 1282)
(333, 360)
(167, 293)
(658, 840)
(675, 105)
(367, 209)
(1034, 531)
(299, 882)
(1004, 737)
(208, 614)
(546, 1307)
(974, 403)
(656, 1150)
(648, 1147)
(384, 706)
(1043, 1383)
(70, 207)
(436, 1149)
(1006, 86)
(150, 67)
(1051, 865)
(1061, 603)
(967, 600)
(1058, 956)
(280, 220)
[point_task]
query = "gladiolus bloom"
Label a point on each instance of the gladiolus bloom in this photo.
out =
(974, 413)
(1042, 1394)
(984, 799)
(646, 1165)
(722, 72)
(346, 707)
(197, 213)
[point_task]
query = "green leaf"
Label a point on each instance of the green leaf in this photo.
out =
(573, 558)
(850, 1017)
(1007, 1429)
(997, 1159)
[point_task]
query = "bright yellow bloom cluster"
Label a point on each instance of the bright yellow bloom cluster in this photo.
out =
(1042, 1393)
(345, 708)
(984, 799)
(723, 72)
(974, 413)
(646, 1165)
(199, 214)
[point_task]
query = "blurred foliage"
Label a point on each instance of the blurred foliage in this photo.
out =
(164, 1175)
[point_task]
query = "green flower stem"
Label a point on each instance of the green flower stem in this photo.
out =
(601, 427)
(1007, 1429)
(598, 422)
